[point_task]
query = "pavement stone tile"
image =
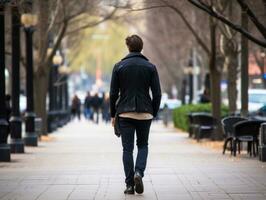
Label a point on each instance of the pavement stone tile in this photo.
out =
(174, 197)
(248, 196)
(83, 161)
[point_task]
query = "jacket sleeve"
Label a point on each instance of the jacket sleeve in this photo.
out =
(156, 92)
(114, 91)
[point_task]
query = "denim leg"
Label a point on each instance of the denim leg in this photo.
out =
(127, 136)
(142, 130)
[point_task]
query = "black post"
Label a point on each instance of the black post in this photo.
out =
(17, 144)
(244, 66)
(51, 91)
(4, 147)
(56, 90)
(51, 116)
(66, 99)
(60, 87)
(190, 79)
(66, 94)
(56, 99)
(31, 138)
(183, 91)
(190, 76)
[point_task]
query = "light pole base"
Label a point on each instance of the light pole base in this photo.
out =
(31, 139)
(4, 153)
(17, 146)
(262, 153)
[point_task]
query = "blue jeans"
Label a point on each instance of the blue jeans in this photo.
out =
(87, 113)
(128, 128)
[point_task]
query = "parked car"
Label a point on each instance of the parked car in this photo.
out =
(257, 99)
(170, 103)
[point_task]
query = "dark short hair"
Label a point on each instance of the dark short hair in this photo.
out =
(134, 43)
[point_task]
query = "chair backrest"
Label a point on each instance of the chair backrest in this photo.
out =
(192, 114)
(247, 128)
(204, 120)
(229, 122)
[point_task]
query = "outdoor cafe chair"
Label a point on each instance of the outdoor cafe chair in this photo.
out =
(205, 125)
(247, 131)
(192, 125)
(228, 129)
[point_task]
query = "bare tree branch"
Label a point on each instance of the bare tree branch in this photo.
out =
(92, 24)
(54, 16)
(181, 15)
(58, 41)
(237, 27)
(252, 17)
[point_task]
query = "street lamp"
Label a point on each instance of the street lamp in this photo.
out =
(64, 71)
(53, 91)
(57, 61)
(4, 147)
(189, 71)
(17, 144)
(29, 21)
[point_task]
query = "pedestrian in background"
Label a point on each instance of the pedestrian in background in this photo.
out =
(75, 107)
(132, 79)
(205, 97)
(106, 108)
(88, 106)
(96, 105)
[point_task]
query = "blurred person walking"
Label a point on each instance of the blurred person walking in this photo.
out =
(130, 102)
(75, 107)
(106, 108)
(88, 107)
(96, 105)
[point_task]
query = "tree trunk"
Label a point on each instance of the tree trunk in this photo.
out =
(231, 66)
(40, 92)
(215, 76)
(244, 66)
(42, 68)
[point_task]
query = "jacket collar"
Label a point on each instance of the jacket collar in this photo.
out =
(135, 54)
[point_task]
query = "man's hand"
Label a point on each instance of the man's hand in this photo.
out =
(113, 121)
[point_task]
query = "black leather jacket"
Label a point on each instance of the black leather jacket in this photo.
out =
(132, 79)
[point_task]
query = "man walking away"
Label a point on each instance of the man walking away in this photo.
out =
(132, 78)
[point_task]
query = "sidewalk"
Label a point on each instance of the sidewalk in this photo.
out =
(83, 161)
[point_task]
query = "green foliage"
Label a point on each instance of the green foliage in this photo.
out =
(101, 46)
(180, 114)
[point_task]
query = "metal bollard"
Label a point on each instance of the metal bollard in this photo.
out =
(38, 126)
(262, 144)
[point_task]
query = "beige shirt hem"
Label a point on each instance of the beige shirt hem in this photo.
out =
(137, 116)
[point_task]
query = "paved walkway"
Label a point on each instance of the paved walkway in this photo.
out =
(83, 161)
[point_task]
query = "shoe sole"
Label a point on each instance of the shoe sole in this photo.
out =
(130, 193)
(138, 184)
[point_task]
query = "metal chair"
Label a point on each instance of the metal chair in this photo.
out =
(247, 131)
(205, 125)
(192, 124)
(228, 129)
